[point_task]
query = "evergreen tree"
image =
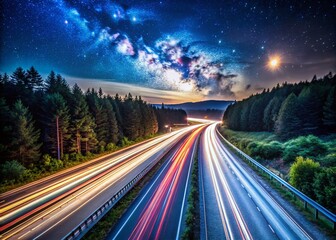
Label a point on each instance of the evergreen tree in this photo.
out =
(19, 77)
(311, 108)
(84, 138)
(56, 113)
(34, 79)
(288, 123)
(271, 113)
(112, 134)
(329, 110)
(100, 117)
(4, 130)
(23, 142)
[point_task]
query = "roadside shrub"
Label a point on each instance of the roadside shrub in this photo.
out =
(244, 143)
(51, 164)
(329, 160)
(272, 150)
(301, 175)
(11, 170)
(325, 188)
(111, 147)
(305, 146)
(253, 149)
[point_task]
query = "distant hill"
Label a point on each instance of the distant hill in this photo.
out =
(204, 105)
(212, 109)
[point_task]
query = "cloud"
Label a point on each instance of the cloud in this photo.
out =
(151, 95)
(195, 64)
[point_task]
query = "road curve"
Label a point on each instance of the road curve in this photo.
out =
(243, 209)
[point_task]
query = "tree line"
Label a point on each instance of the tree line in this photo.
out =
(288, 110)
(46, 119)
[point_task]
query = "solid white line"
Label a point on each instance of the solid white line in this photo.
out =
(129, 217)
(185, 192)
(204, 211)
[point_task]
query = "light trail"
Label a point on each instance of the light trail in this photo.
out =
(158, 210)
(107, 174)
(218, 179)
(237, 194)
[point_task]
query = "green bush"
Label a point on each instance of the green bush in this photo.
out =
(12, 171)
(272, 150)
(305, 146)
(125, 142)
(301, 175)
(111, 147)
(329, 160)
(325, 188)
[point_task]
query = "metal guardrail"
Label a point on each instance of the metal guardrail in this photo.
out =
(306, 200)
(81, 229)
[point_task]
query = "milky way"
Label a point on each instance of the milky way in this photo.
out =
(217, 48)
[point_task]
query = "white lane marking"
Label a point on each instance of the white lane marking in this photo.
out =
(249, 195)
(136, 207)
(242, 185)
(24, 234)
(205, 217)
(185, 192)
(258, 209)
(271, 228)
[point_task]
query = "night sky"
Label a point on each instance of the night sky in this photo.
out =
(172, 51)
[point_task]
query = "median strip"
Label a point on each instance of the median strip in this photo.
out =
(192, 219)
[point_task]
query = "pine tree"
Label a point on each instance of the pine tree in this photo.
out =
(56, 112)
(311, 108)
(100, 117)
(23, 142)
(19, 77)
(5, 130)
(329, 111)
(112, 134)
(288, 123)
(34, 79)
(271, 113)
(84, 137)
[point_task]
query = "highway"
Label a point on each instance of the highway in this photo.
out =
(233, 204)
(50, 211)
(158, 212)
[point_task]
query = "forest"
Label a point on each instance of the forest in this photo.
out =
(289, 110)
(291, 129)
(47, 125)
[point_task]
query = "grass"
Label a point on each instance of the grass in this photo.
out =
(104, 226)
(192, 220)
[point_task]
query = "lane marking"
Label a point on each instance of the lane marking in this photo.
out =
(249, 195)
(271, 228)
(185, 189)
(258, 209)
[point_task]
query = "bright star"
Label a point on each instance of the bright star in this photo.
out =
(274, 62)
